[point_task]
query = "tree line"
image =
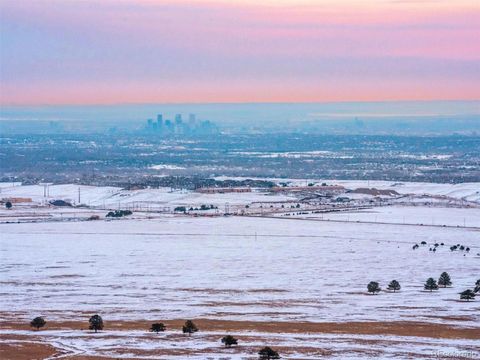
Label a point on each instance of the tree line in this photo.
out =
(95, 323)
(431, 284)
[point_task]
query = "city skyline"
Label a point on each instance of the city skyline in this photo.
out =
(141, 51)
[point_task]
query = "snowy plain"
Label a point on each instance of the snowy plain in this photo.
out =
(234, 268)
(283, 269)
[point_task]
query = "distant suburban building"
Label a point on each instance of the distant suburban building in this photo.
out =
(214, 190)
(17, 200)
(324, 189)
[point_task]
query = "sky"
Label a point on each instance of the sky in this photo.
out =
(62, 52)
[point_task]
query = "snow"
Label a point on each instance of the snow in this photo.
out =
(465, 191)
(413, 215)
(122, 344)
(309, 267)
(166, 167)
(234, 268)
(113, 197)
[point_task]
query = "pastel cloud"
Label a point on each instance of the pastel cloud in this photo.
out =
(194, 51)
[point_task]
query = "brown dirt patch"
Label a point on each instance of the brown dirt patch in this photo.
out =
(398, 328)
(19, 350)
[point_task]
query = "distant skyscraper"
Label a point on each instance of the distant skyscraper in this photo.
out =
(178, 119)
(159, 119)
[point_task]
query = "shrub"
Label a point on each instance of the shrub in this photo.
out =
(158, 327)
(267, 353)
(430, 284)
(477, 286)
(373, 287)
(229, 340)
(394, 285)
(189, 327)
(8, 205)
(119, 213)
(38, 322)
(96, 323)
(467, 295)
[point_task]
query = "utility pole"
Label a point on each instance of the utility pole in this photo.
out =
(79, 196)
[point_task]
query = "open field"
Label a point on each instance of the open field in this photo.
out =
(295, 340)
(299, 286)
(428, 216)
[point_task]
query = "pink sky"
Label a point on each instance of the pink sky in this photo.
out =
(99, 52)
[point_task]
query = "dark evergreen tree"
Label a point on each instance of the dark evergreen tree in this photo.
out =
(189, 327)
(373, 287)
(477, 286)
(229, 340)
(8, 205)
(267, 353)
(467, 295)
(158, 327)
(430, 284)
(96, 323)
(394, 285)
(444, 280)
(38, 322)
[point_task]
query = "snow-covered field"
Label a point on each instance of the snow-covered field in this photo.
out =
(112, 197)
(284, 269)
(418, 215)
(465, 191)
(234, 268)
(206, 345)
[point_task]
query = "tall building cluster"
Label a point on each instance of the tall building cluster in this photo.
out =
(179, 126)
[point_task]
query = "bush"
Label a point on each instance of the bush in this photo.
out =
(268, 353)
(444, 280)
(158, 327)
(477, 286)
(96, 323)
(467, 295)
(394, 285)
(373, 287)
(38, 322)
(229, 340)
(189, 327)
(119, 213)
(430, 284)
(180, 209)
(8, 205)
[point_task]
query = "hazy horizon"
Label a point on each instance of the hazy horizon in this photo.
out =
(143, 51)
